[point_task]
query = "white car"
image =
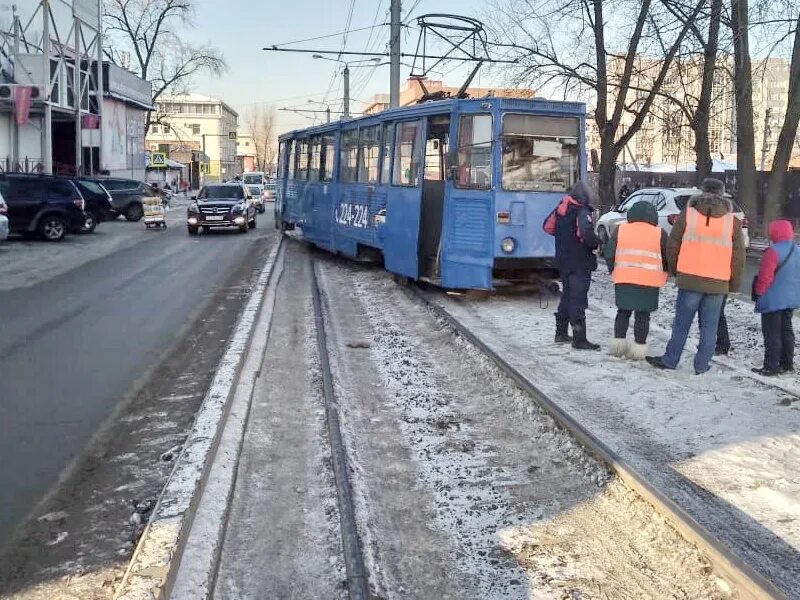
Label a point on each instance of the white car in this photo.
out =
(669, 203)
(3, 220)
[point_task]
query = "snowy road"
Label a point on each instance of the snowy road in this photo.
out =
(85, 324)
(725, 446)
(462, 487)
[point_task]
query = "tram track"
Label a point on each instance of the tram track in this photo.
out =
(357, 583)
(747, 581)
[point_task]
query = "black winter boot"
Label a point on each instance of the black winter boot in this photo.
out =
(562, 330)
(579, 341)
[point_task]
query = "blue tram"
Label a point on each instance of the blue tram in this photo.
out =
(453, 191)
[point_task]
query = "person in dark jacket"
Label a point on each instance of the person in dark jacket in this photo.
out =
(576, 242)
(706, 253)
(777, 288)
(639, 300)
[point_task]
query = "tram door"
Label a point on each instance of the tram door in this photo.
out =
(433, 190)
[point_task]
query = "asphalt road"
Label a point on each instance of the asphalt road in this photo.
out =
(72, 345)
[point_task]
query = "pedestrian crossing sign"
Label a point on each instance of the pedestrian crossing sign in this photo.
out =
(158, 160)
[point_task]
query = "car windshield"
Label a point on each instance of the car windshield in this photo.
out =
(254, 189)
(270, 187)
(680, 202)
(252, 178)
(539, 153)
(226, 192)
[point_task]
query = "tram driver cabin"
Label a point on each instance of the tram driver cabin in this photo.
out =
(453, 192)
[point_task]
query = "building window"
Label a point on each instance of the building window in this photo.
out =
(154, 129)
(195, 127)
(166, 128)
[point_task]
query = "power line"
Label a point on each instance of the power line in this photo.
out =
(383, 54)
(330, 35)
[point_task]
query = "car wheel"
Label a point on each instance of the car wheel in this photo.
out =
(252, 223)
(191, 230)
(244, 228)
(90, 223)
(134, 212)
(262, 209)
(206, 229)
(52, 228)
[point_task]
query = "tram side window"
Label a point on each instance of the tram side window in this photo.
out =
(539, 153)
(406, 153)
(315, 159)
(302, 159)
(282, 160)
(475, 152)
(292, 154)
(328, 148)
(348, 157)
(386, 167)
(369, 153)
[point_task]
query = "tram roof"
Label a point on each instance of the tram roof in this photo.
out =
(534, 106)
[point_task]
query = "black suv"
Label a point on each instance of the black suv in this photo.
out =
(221, 205)
(126, 195)
(99, 207)
(41, 204)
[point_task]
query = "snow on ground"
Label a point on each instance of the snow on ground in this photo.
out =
(491, 498)
(734, 437)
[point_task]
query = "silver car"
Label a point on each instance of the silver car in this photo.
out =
(669, 203)
(3, 220)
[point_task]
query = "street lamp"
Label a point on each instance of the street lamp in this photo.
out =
(346, 75)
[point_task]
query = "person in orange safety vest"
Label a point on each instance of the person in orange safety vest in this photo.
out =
(706, 253)
(636, 256)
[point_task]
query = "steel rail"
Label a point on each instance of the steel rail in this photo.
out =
(749, 583)
(358, 586)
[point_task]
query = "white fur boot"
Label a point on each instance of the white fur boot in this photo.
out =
(618, 347)
(637, 351)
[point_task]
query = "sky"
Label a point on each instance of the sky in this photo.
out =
(241, 28)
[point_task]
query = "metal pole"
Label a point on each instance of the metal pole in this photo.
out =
(77, 85)
(346, 92)
(204, 158)
(14, 126)
(328, 113)
(394, 55)
(99, 92)
(47, 137)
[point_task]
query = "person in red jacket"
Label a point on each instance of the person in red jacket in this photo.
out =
(777, 289)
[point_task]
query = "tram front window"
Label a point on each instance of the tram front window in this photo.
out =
(537, 156)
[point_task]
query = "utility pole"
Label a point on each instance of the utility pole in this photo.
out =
(765, 138)
(394, 55)
(346, 108)
(47, 138)
(328, 114)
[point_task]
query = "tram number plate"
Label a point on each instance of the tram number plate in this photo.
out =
(355, 215)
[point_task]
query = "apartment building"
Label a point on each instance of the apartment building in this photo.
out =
(196, 127)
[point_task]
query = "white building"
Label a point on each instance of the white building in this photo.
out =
(193, 124)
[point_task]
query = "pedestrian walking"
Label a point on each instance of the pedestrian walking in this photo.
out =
(777, 291)
(576, 242)
(636, 256)
(705, 251)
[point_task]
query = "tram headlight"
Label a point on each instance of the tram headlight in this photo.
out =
(508, 244)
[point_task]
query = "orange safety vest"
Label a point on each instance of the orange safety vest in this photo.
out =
(638, 258)
(707, 246)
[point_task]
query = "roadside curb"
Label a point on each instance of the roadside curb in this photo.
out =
(151, 570)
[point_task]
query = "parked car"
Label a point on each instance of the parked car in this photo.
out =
(669, 203)
(221, 205)
(3, 220)
(41, 204)
(126, 195)
(99, 207)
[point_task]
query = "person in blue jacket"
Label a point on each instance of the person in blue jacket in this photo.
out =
(576, 242)
(777, 291)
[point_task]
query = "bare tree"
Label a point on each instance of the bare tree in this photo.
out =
(787, 136)
(745, 127)
(552, 40)
(260, 122)
(143, 36)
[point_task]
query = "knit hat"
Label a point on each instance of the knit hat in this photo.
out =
(712, 186)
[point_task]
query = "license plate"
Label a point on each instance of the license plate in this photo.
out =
(215, 218)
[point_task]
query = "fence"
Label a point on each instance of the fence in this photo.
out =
(26, 165)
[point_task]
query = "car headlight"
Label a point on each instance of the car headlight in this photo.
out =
(193, 208)
(508, 244)
(239, 207)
